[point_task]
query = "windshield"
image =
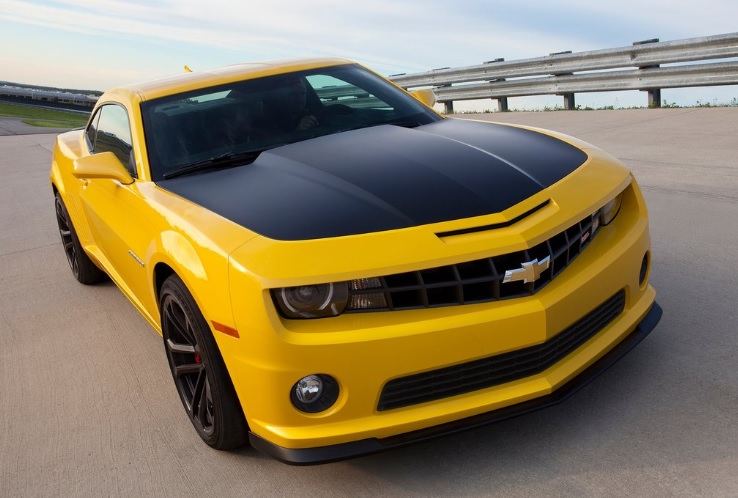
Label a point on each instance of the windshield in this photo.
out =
(260, 114)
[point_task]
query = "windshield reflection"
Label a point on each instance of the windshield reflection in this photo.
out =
(264, 113)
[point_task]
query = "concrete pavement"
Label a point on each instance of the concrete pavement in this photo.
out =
(16, 126)
(88, 408)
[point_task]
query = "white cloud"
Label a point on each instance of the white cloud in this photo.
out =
(707, 17)
(155, 37)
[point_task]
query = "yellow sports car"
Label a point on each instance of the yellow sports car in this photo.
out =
(336, 269)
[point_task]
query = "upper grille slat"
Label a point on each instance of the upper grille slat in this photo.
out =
(479, 281)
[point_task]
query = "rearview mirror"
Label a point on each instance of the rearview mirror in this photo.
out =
(425, 95)
(102, 165)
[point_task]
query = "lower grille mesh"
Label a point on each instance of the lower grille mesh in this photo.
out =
(506, 367)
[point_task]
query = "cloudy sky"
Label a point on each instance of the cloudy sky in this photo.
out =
(88, 44)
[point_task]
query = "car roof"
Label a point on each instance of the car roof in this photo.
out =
(202, 79)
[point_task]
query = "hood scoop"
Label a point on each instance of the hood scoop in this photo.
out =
(493, 226)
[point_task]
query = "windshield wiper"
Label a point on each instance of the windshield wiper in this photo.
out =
(229, 159)
(405, 124)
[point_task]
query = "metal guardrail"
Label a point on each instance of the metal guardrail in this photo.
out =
(347, 95)
(637, 67)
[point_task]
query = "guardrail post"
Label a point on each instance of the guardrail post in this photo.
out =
(569, 101)
(501, 101)
(654, 94)
(654, 97)
(448, 106)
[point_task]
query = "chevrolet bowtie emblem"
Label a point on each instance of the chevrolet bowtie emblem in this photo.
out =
(530, 272)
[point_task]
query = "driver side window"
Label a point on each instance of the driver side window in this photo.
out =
(110, 131)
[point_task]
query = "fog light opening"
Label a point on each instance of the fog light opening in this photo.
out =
(645, 264)
(314, 393)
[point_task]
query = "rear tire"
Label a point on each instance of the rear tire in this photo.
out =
(199, 373)
(83, 269)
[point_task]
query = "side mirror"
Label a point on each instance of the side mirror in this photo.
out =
(425, 95)
(102, 165)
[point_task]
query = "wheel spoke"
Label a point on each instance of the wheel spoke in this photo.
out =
(172, 318)
(207, 409)
(65, 231)
(178, 320)
(187, 369)
(180, 348)
(197, 397)
(61, 218)
(202, 412)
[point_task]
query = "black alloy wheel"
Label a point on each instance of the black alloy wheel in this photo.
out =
(199, 373)
(83, 269)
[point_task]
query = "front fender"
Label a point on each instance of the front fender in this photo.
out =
(202, 269)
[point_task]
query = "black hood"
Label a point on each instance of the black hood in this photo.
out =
(383, 178)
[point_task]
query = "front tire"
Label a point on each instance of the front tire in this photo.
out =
(199, 373)
(83, 269)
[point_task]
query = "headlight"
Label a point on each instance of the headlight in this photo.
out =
(326, 300)
(610, 210)
(312, 301)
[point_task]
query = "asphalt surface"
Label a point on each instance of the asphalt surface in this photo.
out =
(16, 126)
(88, 408)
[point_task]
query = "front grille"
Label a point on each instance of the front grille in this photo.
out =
(471, 282)
(495, 370)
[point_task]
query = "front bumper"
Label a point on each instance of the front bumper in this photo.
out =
(325, 454)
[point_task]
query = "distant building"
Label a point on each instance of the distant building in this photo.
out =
(47, 97)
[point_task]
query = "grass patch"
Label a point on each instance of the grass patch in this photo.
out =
(37, 116)
(45, 123)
